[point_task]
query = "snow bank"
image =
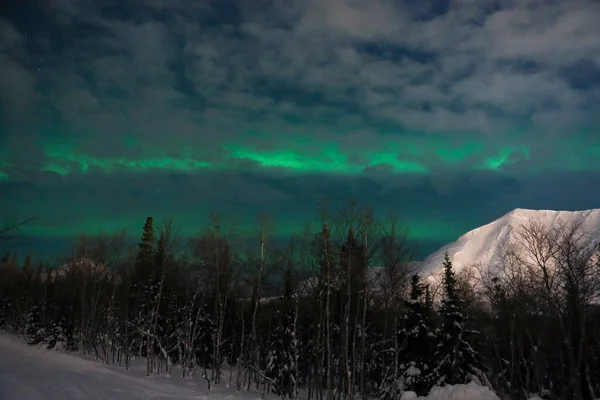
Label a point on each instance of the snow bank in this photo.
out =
(471, 391)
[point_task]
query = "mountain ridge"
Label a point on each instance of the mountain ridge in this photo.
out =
(481, 244)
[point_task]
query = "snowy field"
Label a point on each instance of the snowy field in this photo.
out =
(31, 373)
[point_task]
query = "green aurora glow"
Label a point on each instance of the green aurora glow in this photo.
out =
(418, 229)
(408, 159)
(414, 158)
(4, 176)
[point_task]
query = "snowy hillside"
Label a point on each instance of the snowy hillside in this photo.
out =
(84, 267)
(480, 245)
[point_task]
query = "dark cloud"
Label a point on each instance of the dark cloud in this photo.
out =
(316, 59)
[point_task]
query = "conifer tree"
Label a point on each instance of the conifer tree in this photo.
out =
(204, 342)
(8, 272)
(143, 286)
(146, 252)
(282, 358)
(417, 337)
(34, 330)
(160, 260)
(27, 263)
(458, 361)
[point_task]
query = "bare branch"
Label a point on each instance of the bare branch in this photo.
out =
(11, 227)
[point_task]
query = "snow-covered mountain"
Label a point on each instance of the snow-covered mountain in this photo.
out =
(83, 267)
(480, 245)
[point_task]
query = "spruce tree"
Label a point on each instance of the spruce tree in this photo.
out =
(144, 285)
(34, 329)
(27, 263)
(161, 258)
(146, 252)
(417, 336)
(416, 339)
(458, 361)
(282, 358)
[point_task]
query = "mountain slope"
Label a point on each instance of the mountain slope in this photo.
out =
(480, 245)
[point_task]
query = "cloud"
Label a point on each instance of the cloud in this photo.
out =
(393, 96)
(362, 63)
(354, 19)
(17, 84)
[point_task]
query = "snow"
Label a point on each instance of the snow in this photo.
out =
(471, 391)
(33, 373)
(85, 266)
(480, 245)
(28, 372)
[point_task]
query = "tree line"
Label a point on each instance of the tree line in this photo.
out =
(338, 312)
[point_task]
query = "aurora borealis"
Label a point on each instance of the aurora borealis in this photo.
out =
(450, 113)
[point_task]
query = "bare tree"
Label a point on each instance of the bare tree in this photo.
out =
(367, 230)
(545, 279)
(164, 262)
(11, 227)
(327, 264)
(577, 266)
(264, 230)
(396, 270)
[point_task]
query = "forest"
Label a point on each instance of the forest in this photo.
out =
(340, 311)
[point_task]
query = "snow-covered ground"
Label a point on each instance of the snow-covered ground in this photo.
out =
(31, 373)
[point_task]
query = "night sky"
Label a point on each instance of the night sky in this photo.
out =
(449, 113)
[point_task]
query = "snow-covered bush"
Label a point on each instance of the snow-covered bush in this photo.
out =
(470, 391)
